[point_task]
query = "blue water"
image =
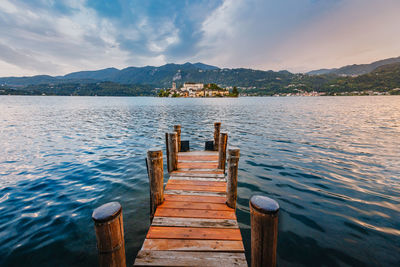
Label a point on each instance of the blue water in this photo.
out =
(332, 163)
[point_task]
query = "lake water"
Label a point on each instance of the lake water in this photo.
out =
(332, 163)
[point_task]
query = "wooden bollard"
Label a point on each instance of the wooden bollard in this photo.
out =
(217, 129)
(109, 229)
(231, 186)
(264, 230)
(177, 129)
(223, 140)
(156, 179)
(172, 148)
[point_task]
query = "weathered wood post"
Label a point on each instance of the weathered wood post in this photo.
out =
(264, 230)
(156, 179)
(231, 189)
(109, 229)
(167, 151)
(217, 129)
(172, 148)
(223, 140)
(177, 129)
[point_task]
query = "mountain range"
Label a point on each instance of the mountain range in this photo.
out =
(355, 70)
(145, 80)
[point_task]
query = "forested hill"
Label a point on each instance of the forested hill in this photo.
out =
(146, 80)
(355, 70)
(159, 76)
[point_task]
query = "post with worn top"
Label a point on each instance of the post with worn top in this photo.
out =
(172, 148)
(217, 129)
(156, 179)
(109, 229)
(223, 140)
(231, 189)
(177, 129)
(264, 230)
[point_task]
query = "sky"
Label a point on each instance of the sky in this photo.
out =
(57, 37)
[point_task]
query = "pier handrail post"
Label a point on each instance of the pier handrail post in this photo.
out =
(109, 229)
(233, 164)
(156, 179)
(177, 129)
(217, 129)
(172, 148)
(223, 140)
(264, 230)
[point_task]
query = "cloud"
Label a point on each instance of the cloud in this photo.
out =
(57, 37)
(301, 35)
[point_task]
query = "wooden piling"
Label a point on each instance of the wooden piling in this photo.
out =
(217, 129)
(177, 129)
(109, 229)
(233, 164)
(172, 148)
(167, 151)
(264, 230)
(156, 179)
(223, 140)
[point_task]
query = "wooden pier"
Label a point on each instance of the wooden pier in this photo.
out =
(194, 226)
(193, 220)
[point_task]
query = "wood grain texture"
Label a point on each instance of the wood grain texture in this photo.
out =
(194, 222)
(156, 232)
(110, 242)
(194, 178)
(197, 165)
(189, 198)
(193, 245)
(205, 188)
(195, 206)
(195, 213)
(189, 182)
(198, 174)
(180, 258)
(195, 193)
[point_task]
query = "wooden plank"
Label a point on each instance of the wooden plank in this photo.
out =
(193, 245)
(194, 193)
(180, 258)
(197, 165)
(199, 153)
(189, 182)
(195, 213)
(205, 188)
(183, 178)
(197, 161)
(194, 206)
(199, 170)
(198, 157)
(204, 175)
(190, 198)
(194, 222)
(156, 232)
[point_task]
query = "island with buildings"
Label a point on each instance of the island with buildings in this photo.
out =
(191, 89)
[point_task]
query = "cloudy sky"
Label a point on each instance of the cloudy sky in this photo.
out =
(61, 36)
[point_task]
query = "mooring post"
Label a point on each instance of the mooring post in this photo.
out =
(223, 140)
(109, 229)
(177, 129)
(233, 164)
(172, 149)
(264, 230)
(167, 151)
(156, 179)
(217, 129)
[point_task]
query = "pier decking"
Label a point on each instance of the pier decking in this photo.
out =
(194, 226)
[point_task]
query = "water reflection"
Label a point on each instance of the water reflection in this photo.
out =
(332, 164)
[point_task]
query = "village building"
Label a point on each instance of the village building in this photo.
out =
(190, 89)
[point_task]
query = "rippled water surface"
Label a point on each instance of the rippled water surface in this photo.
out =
(332, 163)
